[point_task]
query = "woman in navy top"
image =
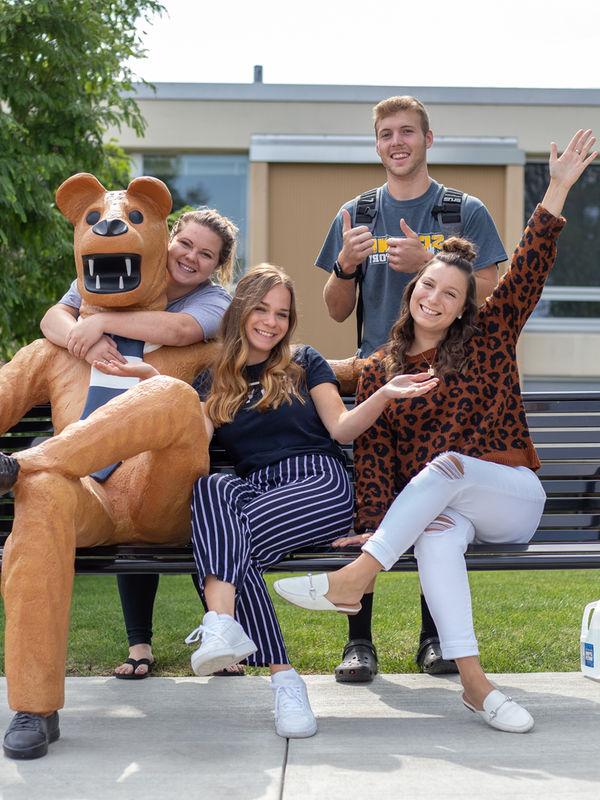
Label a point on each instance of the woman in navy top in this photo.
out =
(276, 410)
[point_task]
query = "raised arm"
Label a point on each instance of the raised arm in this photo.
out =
(521, 286)
(565, 171)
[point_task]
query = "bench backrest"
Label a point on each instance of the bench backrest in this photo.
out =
(565, 427)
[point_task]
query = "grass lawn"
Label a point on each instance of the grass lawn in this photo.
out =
(526, 622)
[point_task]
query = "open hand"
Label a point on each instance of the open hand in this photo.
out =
(406, 386)
(139, 370)
(406, 254)
(567, 168)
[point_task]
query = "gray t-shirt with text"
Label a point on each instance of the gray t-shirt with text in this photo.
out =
(382, 286)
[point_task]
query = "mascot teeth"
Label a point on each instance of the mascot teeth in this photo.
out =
(111, 273)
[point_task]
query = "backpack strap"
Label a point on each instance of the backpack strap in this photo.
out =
(449, 211)
(364, 212)
(366, 208)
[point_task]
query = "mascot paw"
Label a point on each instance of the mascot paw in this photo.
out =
(9, 469)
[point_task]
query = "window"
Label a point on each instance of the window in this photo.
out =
(571, 299)
(217, 181)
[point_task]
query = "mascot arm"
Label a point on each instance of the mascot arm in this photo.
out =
(24, 382)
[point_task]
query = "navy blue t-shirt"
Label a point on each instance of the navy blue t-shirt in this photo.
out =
(254, 439)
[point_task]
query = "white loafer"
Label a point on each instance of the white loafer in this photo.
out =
(308, 591)
(500, 711)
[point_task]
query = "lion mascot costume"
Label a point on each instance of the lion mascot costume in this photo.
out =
(156, 429)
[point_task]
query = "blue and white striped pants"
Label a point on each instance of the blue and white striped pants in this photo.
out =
(242, 526)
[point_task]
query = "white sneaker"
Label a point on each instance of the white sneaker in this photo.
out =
(294, 718)
(223, 642)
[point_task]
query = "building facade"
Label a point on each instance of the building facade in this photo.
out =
(281, 159)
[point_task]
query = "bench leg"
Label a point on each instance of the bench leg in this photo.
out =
(52, 515)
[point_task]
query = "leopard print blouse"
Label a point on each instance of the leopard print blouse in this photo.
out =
(477, 412)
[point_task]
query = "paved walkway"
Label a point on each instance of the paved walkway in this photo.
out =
(404, 736)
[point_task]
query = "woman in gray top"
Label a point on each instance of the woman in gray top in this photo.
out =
(200, 261)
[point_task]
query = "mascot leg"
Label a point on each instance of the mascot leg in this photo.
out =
(152, 416)
(52, 514)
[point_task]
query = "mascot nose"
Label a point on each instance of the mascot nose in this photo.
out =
(110, 227)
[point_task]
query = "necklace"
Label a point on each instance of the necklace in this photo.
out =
(431, 370)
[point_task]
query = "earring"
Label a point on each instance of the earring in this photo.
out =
(459, 316)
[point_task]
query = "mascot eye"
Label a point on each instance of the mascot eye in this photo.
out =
(136, 217)
(93, 217)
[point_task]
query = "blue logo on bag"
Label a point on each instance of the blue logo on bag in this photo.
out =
(588, 654)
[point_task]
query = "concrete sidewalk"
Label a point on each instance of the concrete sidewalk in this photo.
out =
(403, 736)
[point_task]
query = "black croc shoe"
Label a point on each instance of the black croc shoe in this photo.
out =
(29, 735)
(430, 660)
(359, 662)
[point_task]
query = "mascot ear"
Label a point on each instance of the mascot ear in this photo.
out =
(77, 193)
(154, 190)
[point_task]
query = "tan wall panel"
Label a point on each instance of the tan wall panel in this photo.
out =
(304, 198)
(566, 354)
(258, 213)
(514, 204)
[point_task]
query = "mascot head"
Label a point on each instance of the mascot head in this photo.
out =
(120, 240)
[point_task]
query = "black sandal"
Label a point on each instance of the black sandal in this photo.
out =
(359, 662)
(430, 660)
(135, 663)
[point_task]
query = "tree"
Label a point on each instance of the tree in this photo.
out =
(64, 79)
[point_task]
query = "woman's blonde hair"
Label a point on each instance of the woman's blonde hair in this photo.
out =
(225, 230)
(281, 378)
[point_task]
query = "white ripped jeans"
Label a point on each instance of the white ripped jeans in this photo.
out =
(454, 501)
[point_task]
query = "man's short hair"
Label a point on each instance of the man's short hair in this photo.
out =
(404, 103)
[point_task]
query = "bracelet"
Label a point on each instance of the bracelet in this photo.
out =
(345, 276)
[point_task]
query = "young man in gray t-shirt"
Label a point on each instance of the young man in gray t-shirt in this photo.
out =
(405, 235)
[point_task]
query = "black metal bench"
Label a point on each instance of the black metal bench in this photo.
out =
(565, 428)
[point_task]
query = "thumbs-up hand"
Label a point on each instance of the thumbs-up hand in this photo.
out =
(357, 243)
(406, 253)
(407, 230)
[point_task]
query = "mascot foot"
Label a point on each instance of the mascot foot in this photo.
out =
(29, 735)
(9, 469)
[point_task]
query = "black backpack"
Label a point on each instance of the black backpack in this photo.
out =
(364, 212)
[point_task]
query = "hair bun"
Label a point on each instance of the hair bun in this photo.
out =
(461, 247)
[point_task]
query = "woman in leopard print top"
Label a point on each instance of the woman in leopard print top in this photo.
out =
(457, 465)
